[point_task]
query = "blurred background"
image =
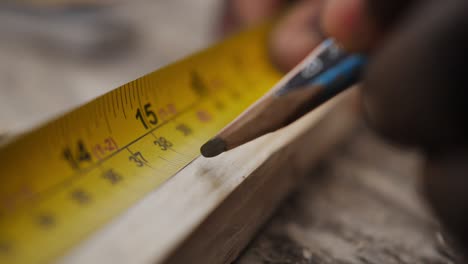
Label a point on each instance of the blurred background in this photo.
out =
(58, 54)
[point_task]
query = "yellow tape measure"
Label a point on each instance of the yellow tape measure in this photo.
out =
(61, 182)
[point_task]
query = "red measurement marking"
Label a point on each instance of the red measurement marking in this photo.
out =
(235, 95)
(204, 116)
(167, 111)
(104, 148)
(217, 83)
(9, 203)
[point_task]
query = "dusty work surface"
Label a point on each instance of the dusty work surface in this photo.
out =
(360, 206)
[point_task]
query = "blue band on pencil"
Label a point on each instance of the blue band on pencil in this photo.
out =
(342, 74)
(330, 54)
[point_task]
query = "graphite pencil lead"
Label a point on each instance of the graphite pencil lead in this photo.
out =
(213, 147)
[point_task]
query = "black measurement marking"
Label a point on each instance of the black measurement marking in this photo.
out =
(163, 143)
(184, 129)
(46, 220)
(168, 146)
(77, 157)
(168, 161)
(198, 85)
(149, 114)
(133, 88)
(58, 186)
(96, 114)
(108, 124)
(124, 89)
(105, 112)
(112, 176)
(140, 117)
(103, 105)
(106, 104)
(153, 92)
(139, 93)
(148, 132)
(129, 90)
(181, 154)
(141, 90)
(147, 86)
(136, 89)
(114, 104)
(116, 98)
(139, 101)
(102, 109)
(121, 102)
(81, 196)
(138, 159)
(88, 112)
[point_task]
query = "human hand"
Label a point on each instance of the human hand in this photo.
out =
(414, 87)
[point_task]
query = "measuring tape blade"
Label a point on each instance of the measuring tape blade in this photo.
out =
(66, 179)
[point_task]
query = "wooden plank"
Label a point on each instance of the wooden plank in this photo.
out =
(209, 211)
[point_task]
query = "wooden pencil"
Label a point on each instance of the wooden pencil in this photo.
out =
(325, 72)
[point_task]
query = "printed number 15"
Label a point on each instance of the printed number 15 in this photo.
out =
(149, 114)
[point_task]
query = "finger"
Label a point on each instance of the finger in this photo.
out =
(296, 34)
(415, 88)
(348, 21)
(414, 93)
(251, 12)
(385, 14)
(360, 25)
(444, 185)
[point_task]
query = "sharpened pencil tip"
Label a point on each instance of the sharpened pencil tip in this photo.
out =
(213, 147)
